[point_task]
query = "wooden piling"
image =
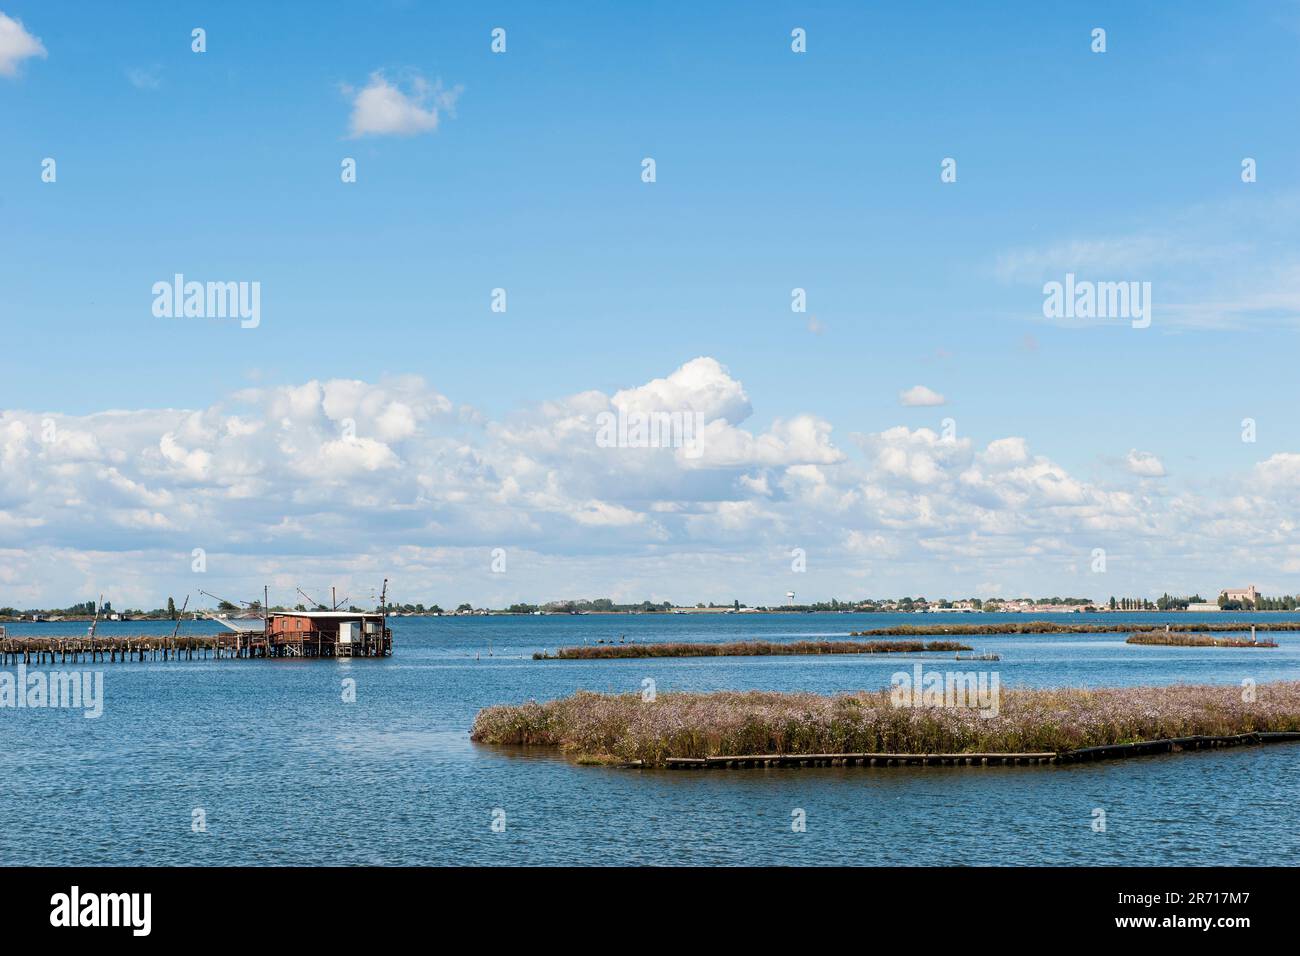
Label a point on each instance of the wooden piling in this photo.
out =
(36, 650)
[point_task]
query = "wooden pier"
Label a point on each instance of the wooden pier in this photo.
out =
(247, 645)
(1139, 748)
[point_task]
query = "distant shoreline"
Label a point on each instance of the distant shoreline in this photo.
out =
(677, 612)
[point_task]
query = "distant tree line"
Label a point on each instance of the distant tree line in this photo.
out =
(1288, 602)
(1166, 602)
(1131, 604)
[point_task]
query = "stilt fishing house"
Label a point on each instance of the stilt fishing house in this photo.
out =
(328, 634)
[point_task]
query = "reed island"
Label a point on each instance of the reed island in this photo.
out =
(1166, 639)
(762, 728)
(745, 649)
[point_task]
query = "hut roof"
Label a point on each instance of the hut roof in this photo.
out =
(326, 614)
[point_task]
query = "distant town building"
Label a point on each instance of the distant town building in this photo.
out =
(1202, 607)
(1243, 595)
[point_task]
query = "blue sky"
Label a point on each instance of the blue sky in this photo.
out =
(775, 170)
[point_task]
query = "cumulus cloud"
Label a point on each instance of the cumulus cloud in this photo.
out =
(381, 108)
(350, 479)
(1276, 478)
(1007, 451)
(919, 395)
(16, 45)
(701, 385)
(1145, 464)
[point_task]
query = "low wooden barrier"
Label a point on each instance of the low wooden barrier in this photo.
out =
(1084, 754)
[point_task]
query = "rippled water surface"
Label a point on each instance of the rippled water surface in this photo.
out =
(285, 772)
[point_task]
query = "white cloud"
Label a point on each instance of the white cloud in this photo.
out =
(919, 395)
(601, 513)
(341, 478)
(16, 45)
(381, 108)
(1227, 264)
(701, 385)
(794, 441)
(1104, 257)
(1145, 464)
(1278, 476)
(1007, 451)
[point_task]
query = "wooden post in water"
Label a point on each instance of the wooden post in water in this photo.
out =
(179, 616)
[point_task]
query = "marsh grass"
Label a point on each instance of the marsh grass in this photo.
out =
(623, 727)
(746, 649)
(1193, 640)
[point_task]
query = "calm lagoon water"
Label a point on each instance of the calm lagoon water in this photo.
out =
(287, 773)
